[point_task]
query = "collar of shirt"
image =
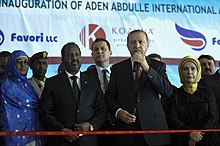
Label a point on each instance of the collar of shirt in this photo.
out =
(78, 78)
(99, 70)
(100, 75)
(132, 64)
(38, 81)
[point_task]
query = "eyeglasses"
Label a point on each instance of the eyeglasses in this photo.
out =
(20, 61)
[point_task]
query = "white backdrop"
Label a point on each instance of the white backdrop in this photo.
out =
(176, 28)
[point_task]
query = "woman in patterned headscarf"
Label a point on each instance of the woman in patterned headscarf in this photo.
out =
(19, 102)
(192, 107)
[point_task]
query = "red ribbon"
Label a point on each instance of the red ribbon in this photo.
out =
(103, 132)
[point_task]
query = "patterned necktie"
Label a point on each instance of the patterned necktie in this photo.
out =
(105, 80)
(75, 88)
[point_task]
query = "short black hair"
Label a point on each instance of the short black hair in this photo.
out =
(135, 31)
(68, 44)
(154, 55)
(5, 54)
(101, 40)
(209, 57)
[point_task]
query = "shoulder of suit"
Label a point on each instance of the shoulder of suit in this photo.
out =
(217, 73)
(86, 76)
(91, 70)
(121, 63)
(153, 61)
(57, 76)
(91, 67)
(211, 77)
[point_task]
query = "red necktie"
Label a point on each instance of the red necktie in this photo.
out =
(138, 76)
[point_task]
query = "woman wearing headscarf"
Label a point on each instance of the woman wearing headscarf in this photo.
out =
(19, 102)
(192, 107)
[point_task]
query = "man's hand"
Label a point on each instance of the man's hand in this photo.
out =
(85, 126)
(196, 136)
(140, 58)
(126, 116)
(69, 138)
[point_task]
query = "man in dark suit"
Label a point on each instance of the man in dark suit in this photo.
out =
(207, 64)
(72, 101)
(213, 82)
(101, 52)
(133, 94)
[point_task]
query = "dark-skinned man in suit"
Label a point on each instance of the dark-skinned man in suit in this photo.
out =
(63, 108)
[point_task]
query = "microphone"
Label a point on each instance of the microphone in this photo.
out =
(135, 67)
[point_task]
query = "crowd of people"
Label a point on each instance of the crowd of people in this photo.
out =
(134, 94)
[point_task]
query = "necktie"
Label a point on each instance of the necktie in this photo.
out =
(75, 88)
(41, 85)
(138, 76)
(105, 80)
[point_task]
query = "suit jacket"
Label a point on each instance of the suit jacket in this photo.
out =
(121, 93)
(213, 82)
(58, 107)
(91, 70)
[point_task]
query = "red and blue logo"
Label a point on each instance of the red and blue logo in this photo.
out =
(1, 37)
(89, 33)
(194, 39)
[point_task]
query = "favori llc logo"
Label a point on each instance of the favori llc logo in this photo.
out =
(195, 39)
(89, 33)
(1, 37)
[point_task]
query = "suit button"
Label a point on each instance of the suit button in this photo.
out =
(78, 111)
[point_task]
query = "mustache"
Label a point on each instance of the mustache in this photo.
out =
(208, 70)
(74, 60)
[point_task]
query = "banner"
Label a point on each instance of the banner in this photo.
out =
(175, 28)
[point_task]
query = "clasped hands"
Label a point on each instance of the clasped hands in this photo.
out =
(85, 126)
(195, 137)
(126, 116)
